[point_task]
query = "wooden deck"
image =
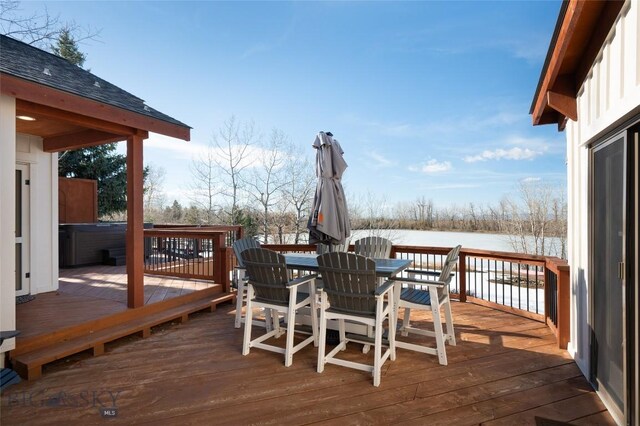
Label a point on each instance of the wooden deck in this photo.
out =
(505, 370)
(93, 292)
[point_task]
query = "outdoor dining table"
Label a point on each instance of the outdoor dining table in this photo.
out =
(385, 268)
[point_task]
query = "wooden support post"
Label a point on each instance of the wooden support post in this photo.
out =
(547, 294)
(221, 272)
(135, 223)
(564, 306)
(462, 273)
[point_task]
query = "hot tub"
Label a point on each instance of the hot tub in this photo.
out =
(84, 243)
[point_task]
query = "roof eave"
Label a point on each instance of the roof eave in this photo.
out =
(580, 31)
(38, 93)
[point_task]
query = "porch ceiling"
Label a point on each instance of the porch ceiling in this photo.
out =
(63, 130)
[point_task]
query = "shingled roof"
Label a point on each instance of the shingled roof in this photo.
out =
(24, 61)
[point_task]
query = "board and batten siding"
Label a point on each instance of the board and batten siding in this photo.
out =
(7, 219)
(27, 150)
(609, 95)
(43, 211)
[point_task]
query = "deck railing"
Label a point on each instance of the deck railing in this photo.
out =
(191, 252)
(536, 287)
(557, 299)
(532, 286)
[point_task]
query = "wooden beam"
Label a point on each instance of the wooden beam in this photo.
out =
(564, 104)
(571, 17)
(31, 108)
(44, 95)
(582, 32)
(80, 139)
(135, 223)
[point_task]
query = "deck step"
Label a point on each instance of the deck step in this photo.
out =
(114, 256)
(29, 364)
(116, 260)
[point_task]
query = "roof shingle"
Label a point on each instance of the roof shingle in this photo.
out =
(21, 60)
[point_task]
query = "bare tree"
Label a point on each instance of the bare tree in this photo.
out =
(425, 211)
(153, 193)
(233, 144)
(269, 177)
(372, 217)
(205, 187)
(38, 28)
(534, 217)
(298, 194)
(282, 221)
(559, 223)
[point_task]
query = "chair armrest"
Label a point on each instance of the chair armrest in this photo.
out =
(302, 280)
(384, 288)
(421, 272)
(416, 281)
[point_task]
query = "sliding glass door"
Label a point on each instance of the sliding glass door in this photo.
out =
(607, 282)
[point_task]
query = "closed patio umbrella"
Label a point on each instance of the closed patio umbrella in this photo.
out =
(329, 220)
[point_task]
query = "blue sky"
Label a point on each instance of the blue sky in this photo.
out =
(427, 98)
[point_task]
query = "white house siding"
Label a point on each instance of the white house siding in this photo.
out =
(43, 168)
(7, 218)
(610, 93)
(43, 210)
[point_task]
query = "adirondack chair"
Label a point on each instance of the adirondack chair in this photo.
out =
(269, 287)
(326, 248)
(374, 247)
(430, 295)
(351, 292)
(239, 277)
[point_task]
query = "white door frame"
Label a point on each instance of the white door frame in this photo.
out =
(23, 234)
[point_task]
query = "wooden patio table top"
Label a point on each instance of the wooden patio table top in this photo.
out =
(386, 268)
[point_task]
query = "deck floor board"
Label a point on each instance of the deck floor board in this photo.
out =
(504, 370)
(92, 292)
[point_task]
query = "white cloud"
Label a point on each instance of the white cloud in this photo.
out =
(531, 179)
(495, 119)
(432, 167)
(181, 150)
(455, 186)
(380, 160)
(515, 153)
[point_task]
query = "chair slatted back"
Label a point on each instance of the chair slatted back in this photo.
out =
(267, 271)
(447, 269)
(243, 244)
(350, 282)
(332, 248)
(374, 247)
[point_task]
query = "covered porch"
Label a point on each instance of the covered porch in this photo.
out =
(92, 292)
(90, 310)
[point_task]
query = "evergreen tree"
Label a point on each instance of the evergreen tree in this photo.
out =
(101, 163)
(67, 47)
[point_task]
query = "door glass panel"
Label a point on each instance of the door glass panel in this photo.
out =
(608, 228)
(18, 203)
(18, 266)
